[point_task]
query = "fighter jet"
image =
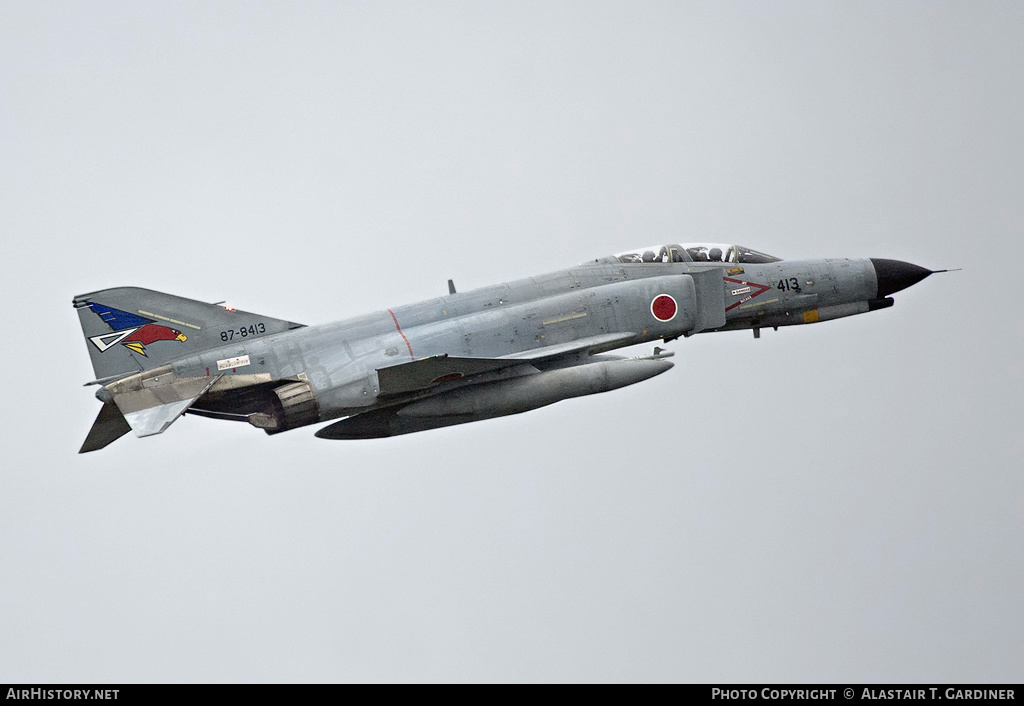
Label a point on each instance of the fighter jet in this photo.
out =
(459, 358)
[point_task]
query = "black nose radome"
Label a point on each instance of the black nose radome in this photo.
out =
(894, 275)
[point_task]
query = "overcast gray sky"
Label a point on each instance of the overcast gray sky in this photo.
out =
(836, 502)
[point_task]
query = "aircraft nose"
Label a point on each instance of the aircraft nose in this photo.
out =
(894, 275)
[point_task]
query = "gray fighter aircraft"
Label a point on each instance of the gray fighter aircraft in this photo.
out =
(459, 358)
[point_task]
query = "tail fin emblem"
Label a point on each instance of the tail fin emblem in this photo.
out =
(132, 331)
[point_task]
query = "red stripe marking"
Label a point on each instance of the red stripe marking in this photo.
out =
(762, 288)
(399, 328)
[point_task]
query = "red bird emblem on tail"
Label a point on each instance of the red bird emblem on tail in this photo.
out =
(132, 331)
(150, 333)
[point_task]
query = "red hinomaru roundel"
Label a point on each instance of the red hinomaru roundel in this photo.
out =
(664, 307)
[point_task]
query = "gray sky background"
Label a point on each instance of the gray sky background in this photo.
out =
(838, 502)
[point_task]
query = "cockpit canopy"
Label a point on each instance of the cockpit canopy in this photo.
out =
(696, 252)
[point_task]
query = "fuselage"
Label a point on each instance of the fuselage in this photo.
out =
(339, 360)
(454, 359)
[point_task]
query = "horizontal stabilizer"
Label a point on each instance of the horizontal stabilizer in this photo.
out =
(109, 426)
(150, 409)
(424, 373)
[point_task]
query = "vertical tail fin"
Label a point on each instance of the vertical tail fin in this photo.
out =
(128, 330)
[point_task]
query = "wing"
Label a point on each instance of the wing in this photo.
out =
(425, 373)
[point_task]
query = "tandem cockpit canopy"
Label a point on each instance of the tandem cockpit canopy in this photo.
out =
(695, 252)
